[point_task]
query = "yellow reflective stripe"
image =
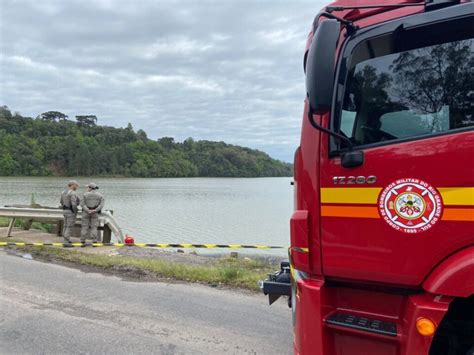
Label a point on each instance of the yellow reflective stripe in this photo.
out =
(457, 195)
(463, 196)
(350, 194)
(299, 249)
(141, 245)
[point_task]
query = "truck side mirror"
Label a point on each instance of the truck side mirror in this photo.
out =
(320, 65)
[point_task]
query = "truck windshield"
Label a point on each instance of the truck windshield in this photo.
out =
(411, 93)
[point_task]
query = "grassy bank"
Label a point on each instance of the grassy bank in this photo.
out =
(20, 223)
(226, 271)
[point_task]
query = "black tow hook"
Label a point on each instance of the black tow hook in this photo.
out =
(278, 284)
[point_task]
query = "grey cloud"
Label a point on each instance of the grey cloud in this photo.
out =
(218, 70)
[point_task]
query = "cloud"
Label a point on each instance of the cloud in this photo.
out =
(279, 36)
(173, 46)
(188, 82)
(219, 70)
(19, 60)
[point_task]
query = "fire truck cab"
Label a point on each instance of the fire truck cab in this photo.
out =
(382, 237)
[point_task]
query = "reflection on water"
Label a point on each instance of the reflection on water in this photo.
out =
(197, 210)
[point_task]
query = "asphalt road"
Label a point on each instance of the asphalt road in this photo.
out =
(51, 309)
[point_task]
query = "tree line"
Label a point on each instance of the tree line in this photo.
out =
(54, 145)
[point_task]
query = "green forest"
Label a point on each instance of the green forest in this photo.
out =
(54, 145)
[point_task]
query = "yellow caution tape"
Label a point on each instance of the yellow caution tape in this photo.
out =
(140, 245)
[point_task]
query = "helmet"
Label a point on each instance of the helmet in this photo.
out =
(92, 186)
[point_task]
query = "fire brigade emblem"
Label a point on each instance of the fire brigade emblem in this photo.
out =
(410, 205)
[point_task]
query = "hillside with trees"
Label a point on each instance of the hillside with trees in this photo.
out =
(52, 144)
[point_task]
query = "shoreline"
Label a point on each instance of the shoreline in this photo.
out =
(144, 178)
(150, 264)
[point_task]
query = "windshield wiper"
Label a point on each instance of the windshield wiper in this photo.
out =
(331, 9)
(351, 28)
(429, 5)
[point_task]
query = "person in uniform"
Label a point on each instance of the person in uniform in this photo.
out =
(69, 202)
(92, 204)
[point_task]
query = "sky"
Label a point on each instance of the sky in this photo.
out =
(219, 70)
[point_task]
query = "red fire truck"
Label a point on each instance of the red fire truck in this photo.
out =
(382, 236)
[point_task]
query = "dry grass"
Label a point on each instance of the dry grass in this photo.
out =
(226, 271)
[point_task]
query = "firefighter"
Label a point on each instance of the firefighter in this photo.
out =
(92, 204)
(69, 202)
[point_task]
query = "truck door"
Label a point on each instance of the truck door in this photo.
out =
(411, 203)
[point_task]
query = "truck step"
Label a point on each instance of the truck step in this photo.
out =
(362, 323)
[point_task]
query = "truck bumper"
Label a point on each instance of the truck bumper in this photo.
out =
(315, 306)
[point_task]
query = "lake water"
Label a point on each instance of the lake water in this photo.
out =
(192, 210)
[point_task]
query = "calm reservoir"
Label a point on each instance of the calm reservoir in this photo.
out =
(187, 210)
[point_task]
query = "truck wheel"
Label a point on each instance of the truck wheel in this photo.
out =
(455, 334)
(470, 351)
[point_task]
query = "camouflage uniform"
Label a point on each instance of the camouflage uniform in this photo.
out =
(92, 204)
(69, 202)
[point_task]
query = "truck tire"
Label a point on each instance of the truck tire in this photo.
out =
(470, 351)
(455, 334)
